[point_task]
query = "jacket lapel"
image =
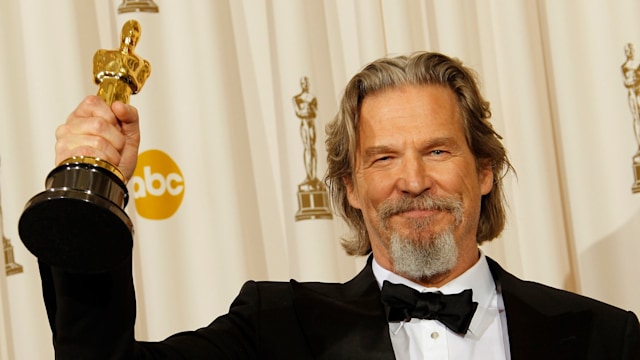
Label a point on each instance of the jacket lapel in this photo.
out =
(347, 321)
(539, 327)
(344, 321)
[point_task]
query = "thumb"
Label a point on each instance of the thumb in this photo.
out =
(130, 127)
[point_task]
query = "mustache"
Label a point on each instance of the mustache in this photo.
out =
(424, 201)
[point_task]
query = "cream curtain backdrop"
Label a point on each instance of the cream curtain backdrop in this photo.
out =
(218, 103)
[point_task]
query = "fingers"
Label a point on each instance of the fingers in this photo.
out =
(97, 130)
(130, 129)
(127, 114)
(94, 106)
(78, 145)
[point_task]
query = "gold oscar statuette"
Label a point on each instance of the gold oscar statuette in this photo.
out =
(11, 267)
(78, 223)
(635, 188)
(313, 198)
(631, 77)
(138, 5)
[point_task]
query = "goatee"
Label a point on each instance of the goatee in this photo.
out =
(421, 253)
(423, 260)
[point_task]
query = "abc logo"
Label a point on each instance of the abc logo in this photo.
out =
(158, 185)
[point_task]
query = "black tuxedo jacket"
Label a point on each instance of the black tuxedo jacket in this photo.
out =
(92, 317)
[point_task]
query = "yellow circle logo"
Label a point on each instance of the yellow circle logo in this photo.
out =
(158, 185)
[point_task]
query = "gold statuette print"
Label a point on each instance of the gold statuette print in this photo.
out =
(137, 5)
(631, 73)
(78, 223)
(313, 198)
(10, 265)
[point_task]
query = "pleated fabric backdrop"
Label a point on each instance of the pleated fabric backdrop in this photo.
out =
(223, 161)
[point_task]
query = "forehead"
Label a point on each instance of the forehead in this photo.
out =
(410, 110)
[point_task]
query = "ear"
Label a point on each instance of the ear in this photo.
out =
(352, 194)
(486, 178)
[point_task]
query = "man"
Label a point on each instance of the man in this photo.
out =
(416, 170)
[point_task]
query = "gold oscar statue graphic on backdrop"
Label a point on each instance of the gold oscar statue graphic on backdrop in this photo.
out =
(313, 198)
(631, 73)
(78, 223)
(10, 265)
(128, 6)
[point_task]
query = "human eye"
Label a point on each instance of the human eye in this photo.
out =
(439, 154)
(378, 156)
(381, 161)
(382, 158)
(439, 149)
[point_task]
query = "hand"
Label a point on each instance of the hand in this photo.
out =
(97, 130)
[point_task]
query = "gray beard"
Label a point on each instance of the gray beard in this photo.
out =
(423, 259)
(417, 255)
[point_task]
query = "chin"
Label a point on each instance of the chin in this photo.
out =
(424, 258)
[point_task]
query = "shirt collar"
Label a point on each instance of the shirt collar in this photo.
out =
(478, 278)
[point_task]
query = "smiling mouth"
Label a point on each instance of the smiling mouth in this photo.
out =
(423, 208)
(417, 218)
(416, 213)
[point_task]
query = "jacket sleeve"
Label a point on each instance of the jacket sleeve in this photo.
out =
(92, 316)
(631, 344)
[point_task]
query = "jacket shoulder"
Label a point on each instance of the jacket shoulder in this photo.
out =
(546, 298)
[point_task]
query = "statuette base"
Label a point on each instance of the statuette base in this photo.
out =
(313, 204)
(78, 224)
(636, 185)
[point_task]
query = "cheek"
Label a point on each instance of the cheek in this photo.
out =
(465, 185)
(370, 191)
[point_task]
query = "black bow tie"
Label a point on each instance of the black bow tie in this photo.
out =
(454, 311)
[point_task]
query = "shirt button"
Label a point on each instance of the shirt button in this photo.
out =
(434, 335)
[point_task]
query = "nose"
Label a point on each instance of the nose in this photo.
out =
(414, 177)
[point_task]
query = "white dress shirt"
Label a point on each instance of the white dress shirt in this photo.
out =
(429, 339)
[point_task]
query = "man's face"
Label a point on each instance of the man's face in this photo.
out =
(415, 176)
